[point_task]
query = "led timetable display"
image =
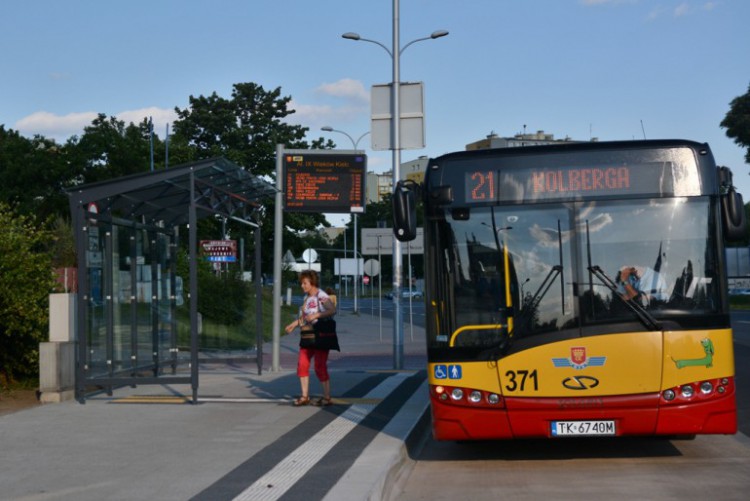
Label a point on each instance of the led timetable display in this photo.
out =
(324, 182)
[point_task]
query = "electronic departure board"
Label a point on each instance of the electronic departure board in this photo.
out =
(324, 182)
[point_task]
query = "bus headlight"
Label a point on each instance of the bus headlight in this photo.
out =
(457, 394)
(706, 387)
(475, 397)
(668, 395)
(493, 398)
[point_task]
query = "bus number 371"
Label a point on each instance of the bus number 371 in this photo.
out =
(517, 380)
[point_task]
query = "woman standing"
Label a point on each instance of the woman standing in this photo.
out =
(315, 305)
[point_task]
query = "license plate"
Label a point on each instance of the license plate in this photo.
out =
(582, 428)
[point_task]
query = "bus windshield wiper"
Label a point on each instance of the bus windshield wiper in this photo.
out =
(524, 316)
(644, 316)
(528, 309)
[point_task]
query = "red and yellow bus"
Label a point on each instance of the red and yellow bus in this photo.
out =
(577, 289)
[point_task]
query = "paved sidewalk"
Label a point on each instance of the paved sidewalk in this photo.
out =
(243, 440)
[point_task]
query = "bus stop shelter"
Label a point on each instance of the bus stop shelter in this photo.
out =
(134, 320)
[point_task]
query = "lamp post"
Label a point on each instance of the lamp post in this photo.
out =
(395, 54)
(328, 128)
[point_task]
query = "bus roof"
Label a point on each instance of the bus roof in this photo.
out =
(572, 147)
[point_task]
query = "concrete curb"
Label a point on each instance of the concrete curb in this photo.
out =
(378, 469)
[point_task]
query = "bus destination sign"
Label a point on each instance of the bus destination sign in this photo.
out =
(324, 182)
(526, 184)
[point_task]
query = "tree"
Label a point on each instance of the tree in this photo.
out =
(33, 173)
(246, 129)
(109, 149)
(25, 281)
(737, 122)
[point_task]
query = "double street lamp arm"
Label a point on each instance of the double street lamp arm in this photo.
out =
(355, 36)
(328, 128)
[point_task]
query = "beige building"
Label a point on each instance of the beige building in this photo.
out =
(378, 185)
(382, 184)
(414, 169)
(535, 139)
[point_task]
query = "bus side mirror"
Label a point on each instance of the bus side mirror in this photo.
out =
(733, 218)
(405, 211)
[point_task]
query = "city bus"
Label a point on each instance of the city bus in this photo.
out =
(577, 289)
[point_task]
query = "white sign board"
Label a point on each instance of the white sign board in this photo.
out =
(348, 266)
(371, 237)
(411, 125)
(372, 267)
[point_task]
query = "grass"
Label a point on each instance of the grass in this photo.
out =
(220, 335)
(739, 302)
(24, 384)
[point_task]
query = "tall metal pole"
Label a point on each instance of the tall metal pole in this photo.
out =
(395, 53)
(356, 260)
(278, 220)
(398, 321)
(328, 128)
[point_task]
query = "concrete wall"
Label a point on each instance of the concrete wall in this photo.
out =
(57, 357)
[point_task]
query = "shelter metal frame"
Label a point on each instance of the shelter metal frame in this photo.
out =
(155, 204)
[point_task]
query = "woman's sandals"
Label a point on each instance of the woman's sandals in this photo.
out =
(301, 401)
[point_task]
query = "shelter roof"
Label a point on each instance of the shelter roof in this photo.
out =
(220, 187)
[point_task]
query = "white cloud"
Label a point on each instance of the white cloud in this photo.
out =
(346, 88)
(316, 116)
(54, 126)
(681, 10)
(160, 116)
(62, 127)
(350, 104)
(589, 3)
(655, 13)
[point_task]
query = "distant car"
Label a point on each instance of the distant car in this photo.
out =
(405, 294)
(739, 292)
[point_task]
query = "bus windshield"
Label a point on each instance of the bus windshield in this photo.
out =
(518, 274)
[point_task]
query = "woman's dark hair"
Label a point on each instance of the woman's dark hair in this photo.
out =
(311, 276)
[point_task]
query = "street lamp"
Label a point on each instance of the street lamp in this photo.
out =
(356, 37)
(328, 128)
(395, 54)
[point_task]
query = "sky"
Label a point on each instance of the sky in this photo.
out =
(610, 69)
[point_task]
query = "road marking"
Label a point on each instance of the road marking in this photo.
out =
(152, 399)
(284, 475)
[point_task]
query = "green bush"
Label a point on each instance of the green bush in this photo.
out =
(221, 298)
(26, 280)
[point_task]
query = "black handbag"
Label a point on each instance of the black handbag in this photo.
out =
(325, 334)
(307, 339)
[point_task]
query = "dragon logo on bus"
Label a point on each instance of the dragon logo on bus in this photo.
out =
(707, 361)
(579, 359)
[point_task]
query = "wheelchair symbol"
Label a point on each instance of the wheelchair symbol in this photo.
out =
(441, 372)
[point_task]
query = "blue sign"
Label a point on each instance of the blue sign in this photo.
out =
(441, 372)
(454, 372)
